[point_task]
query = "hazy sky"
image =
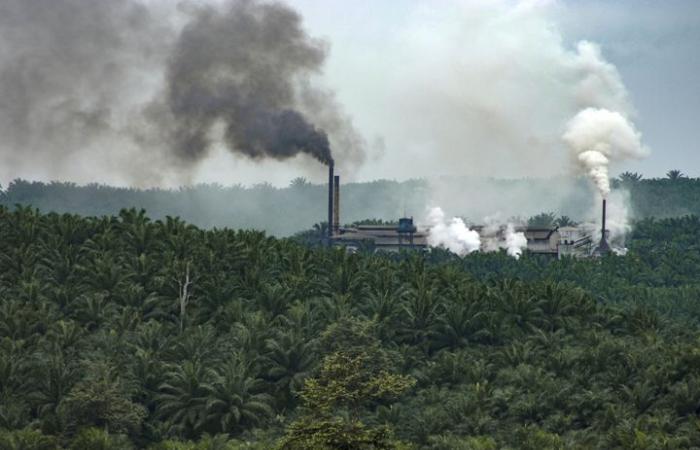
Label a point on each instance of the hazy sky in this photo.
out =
(655, 46)
(435, 87)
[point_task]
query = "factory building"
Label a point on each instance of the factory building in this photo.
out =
(555, 242)
(388, 238)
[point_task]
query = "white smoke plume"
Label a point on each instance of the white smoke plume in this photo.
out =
(515, 242)
(499, 108)
(490, 233)
(454, 235)
(599, 137)
(457, 237)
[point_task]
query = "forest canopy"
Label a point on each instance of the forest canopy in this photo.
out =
(126, 332)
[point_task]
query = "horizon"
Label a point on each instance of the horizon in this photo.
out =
(323, 183)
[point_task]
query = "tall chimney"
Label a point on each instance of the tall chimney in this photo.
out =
(603, 230)
(603, 247)
(336, 204)
(330, 200)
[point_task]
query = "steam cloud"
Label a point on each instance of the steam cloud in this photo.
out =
(515, 242)
(133, 91)
(453, 235)
(598, 137)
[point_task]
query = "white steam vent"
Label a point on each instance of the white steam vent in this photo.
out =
(515, 242)
(599, 137)
(453, 235)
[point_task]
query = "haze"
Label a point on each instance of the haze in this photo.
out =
(479, 88)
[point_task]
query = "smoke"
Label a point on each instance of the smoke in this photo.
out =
(486, 89)
(491, 234)
(237, 68)
(454, 235)
(141, 92)
(599, 137)
(515, 242)
(501, 108)
(483, 89)
(69, 70)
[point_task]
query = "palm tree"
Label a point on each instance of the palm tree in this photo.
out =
(299, 182)
(421, 312)
(274, 298)
(53, 374)
(182, 401)
(564, 221)
(675, 175)
(630, 177)
(235, 398)
(542, 220)
(459, 323)
(289, 361)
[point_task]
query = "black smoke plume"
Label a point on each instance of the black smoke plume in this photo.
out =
(238, 67)
(142, 88)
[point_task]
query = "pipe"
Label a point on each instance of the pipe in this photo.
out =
(336, 204)
(330, 200)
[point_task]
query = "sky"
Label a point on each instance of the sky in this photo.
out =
(433, 88)
(655, 46)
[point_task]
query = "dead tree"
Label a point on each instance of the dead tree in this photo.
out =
(184, 295)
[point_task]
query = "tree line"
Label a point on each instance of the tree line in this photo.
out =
(285, 211)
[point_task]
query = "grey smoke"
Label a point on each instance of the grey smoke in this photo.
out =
(139, 92)
(67, 69)
(239, 67)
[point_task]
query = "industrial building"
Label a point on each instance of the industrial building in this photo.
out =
(555, 242)
(391, 238)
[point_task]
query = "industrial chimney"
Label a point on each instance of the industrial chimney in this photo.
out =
(603, 247)
(330, 200)
(336, 204)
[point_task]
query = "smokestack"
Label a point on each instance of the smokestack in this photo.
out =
(604, 210)
(603, 247)
(336, 204)
(330, 199)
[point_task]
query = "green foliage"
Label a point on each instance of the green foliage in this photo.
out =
(211, 442)
(542, 220)
(351, 380)
(98, 439)
(26, 439)
(675, 175)
(564, 221)
(628, 179)
(298, 347)
(323, 433)
(100, 401)
(449, 442)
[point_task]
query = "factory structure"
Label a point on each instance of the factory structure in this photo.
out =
(556, 242)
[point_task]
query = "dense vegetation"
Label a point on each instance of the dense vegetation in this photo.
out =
(119, 332)
(283, 212)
